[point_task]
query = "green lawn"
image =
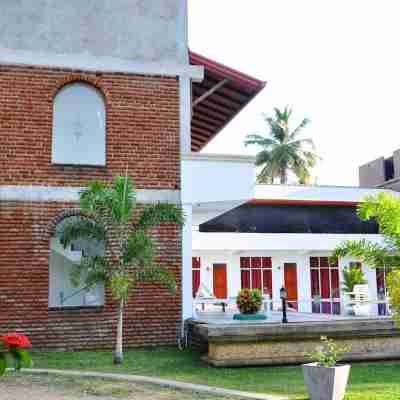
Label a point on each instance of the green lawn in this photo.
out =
(375, 381)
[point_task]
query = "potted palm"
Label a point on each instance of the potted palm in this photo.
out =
(324, 378)
(352, 276)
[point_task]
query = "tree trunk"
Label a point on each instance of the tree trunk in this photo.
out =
(283, 176)
(118, 354)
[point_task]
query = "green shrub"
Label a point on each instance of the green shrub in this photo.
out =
(249, 301)
(328, 353)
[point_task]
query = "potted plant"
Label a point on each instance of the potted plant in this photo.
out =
(351, 276)
(249, 302)
(324, 378)
(14, 346)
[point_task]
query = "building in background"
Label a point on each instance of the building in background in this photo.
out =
(382, 172)
(284, 238)
(89, 90)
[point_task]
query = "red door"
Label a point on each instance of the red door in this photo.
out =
(291, 283)
(220, 281)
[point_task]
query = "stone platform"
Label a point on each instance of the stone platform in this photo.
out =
(227, 342)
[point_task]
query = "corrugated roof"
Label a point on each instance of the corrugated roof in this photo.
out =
(222, 95)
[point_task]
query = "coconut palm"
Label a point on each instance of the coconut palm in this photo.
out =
(283, 150)
(128, 257)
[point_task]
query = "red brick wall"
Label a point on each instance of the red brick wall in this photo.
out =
(142, 128)
(152, 313)
(143, 134)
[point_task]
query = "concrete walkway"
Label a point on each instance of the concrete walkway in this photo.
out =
(159, 382)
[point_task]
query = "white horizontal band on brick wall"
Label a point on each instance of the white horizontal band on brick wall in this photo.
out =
(71, 194)
(98, 64)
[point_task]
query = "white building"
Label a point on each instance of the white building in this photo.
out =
(283, 236)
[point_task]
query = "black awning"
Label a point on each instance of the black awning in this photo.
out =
(255, 218)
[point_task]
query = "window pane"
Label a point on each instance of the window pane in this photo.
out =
(244, 262)
(61, 263)
(255, 262)
(325, 285)
(267, 282)
(196, 281)
(245, 275)
(335, 283)
(79, 126)
(256, 279)
(315, 283)
(266, 262)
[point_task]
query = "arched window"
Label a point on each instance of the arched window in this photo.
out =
(62, 292)
(79, 126)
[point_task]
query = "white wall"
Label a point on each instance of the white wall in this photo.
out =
(209, 178)
(139, 30)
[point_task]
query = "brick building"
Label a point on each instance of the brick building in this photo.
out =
(87, 90)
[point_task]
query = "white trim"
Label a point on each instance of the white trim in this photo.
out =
(86, 62)
(299, 242)
(219, 157)
(185, 113)
(316, 193)
(187, 283)
(71, 194)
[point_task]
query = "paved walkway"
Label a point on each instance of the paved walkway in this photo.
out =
(160, 382)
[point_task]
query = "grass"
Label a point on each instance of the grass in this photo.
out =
(373, 381)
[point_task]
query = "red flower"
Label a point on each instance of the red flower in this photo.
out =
(17, 341)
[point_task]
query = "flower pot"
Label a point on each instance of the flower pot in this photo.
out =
(326, 383)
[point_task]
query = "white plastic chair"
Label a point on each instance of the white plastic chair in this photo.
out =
(360, 301)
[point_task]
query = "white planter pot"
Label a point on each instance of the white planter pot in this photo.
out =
(326, 383)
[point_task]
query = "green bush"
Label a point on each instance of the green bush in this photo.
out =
(249, 301)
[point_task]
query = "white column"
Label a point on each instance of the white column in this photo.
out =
(187, 298)
(185, 90)
(304, 277)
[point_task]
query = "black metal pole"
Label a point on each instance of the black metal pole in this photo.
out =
(284, 316)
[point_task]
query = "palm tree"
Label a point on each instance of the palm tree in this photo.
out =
(283, 150)
(128, 258)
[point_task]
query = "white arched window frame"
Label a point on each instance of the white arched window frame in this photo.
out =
(79, 126)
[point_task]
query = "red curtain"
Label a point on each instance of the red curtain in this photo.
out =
(315, 282)
(267, 281)
(335, 283)
(196, 281)
(245, 279)
(325, 287)
(256, 279)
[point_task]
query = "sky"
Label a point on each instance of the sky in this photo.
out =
(336, 62)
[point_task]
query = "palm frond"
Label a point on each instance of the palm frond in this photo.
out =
(139, 249)
(80, 228)
(259, 140)
(160, 213)
(90, 271)
(93, 200)
(370, 253)
(122, 199)
(296, 132)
